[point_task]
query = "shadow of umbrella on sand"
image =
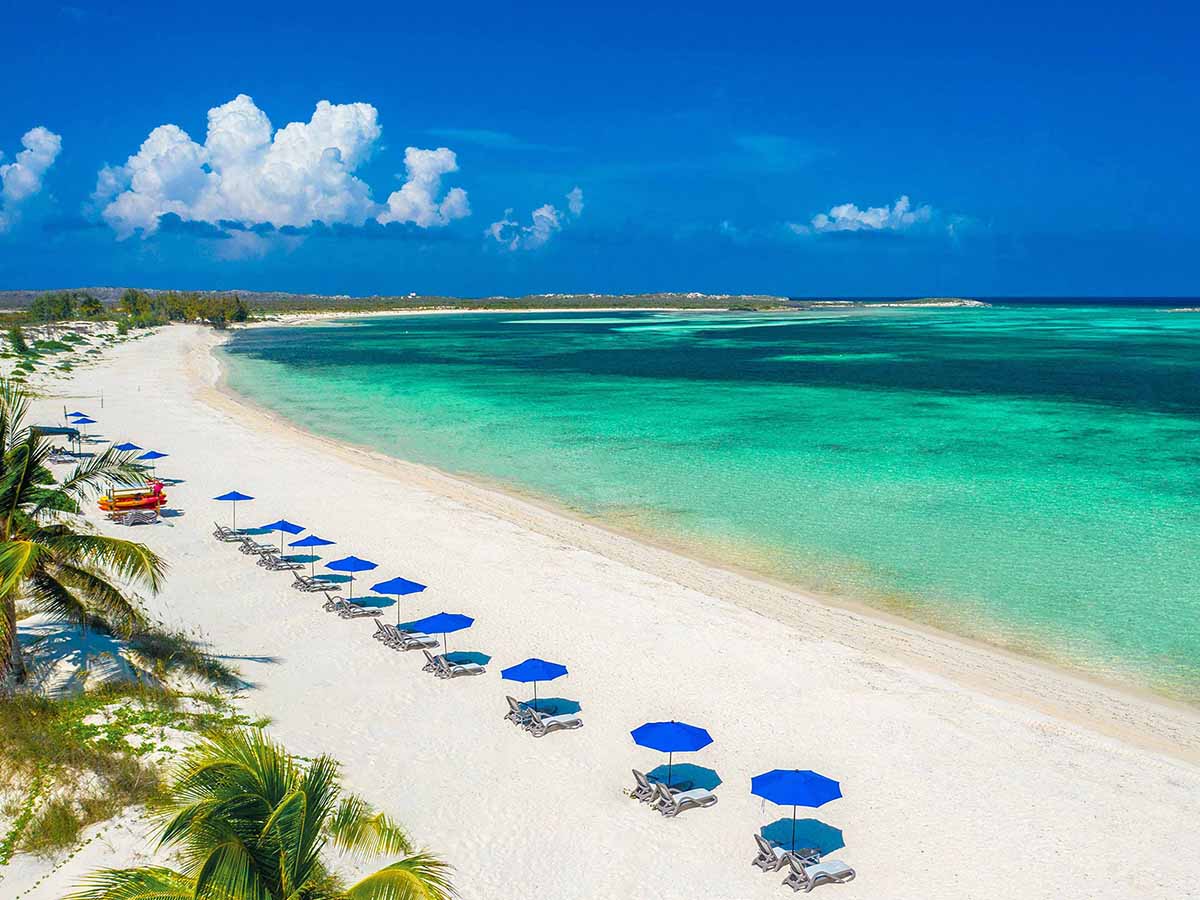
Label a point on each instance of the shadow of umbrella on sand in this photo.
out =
(312, 541)
(810, 833)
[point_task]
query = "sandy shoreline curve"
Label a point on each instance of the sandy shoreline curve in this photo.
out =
(966, 772)
(1141, 716)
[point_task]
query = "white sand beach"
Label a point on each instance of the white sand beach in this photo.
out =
(966, 772)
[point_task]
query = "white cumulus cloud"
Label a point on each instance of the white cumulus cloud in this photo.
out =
(417, 200)
(901, 216)
(544, 222)
(22, 178)
(247, 172)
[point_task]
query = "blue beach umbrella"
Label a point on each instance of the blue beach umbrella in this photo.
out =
(76, 414)
(401, 587)
(231, 497)
(534, 670)
(351, 564)
(312, 541)
(150, 456)
(442, 623)
(84, 421)
(671, 738)
(795, 787)
(126, 447)
(283, 526)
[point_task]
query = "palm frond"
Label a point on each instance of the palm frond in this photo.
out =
(25, 470)
(128, 559)
(145, 883)
(108, 466)
(18, 561)
(102, 598)
(359, 827)
(47, 595)
(230, 871)
(418, 877)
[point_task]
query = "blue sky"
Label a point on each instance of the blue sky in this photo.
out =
(874, 149)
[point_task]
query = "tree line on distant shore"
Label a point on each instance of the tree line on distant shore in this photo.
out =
(140, 309)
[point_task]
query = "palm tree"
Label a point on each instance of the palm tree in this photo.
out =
(47, 558)
(249, 822)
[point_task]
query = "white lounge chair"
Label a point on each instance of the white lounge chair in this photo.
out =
(771, 857)
(224, 533)
(413, 640)
(277, 563)
(309, 583)
(518, 712)
(645, 790)
(431, 662)
(672, 803)
(348, 610)
(540, 725)
(447, 669)
(806, 875)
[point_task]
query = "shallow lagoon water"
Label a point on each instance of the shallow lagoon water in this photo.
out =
(1025, 475)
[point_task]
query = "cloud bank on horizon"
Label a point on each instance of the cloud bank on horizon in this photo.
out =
(245, 172)
(22, 178)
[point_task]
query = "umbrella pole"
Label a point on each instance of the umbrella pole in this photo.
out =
(670, 761)
(793, 847)
(235, 515)
(535, 703)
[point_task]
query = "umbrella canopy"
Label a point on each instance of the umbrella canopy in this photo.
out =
(795, 787)
(283, 526)
(126, 447)
(400, 587)
(150, 456)
(351, 564)
(232, 497)
(84, 420)
(534, 670)
(442, 623)
(72, 415)
(311, 541)
(671, 738)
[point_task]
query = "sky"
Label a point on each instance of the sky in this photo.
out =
(872, 149)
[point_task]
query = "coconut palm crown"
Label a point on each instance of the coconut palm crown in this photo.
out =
(49, 559)
(247, 821)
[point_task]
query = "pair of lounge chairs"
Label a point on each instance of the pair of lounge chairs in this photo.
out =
(347, 609)
(669, 801)
(137, 517)
(402, 640)
(537, 723)
(229, 535)
(806, 868)
(254, 548)
(277, 563)
(312, 584)
(443, 668)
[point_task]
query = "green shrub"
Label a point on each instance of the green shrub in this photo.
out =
(56, 827)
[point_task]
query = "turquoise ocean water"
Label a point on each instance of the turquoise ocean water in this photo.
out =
(1028, 475)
